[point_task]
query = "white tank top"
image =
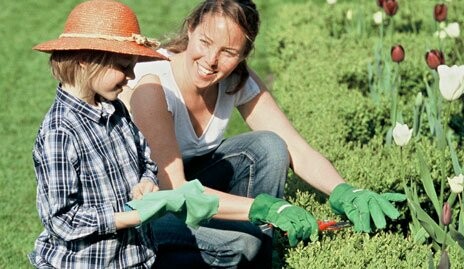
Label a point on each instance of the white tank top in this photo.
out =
(189, 143)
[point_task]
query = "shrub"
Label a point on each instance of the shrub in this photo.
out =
(322, 82)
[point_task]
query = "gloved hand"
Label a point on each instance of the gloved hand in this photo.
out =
(360, 205)
(187, 202)
(297, 222)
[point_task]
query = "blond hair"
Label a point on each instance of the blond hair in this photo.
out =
(66, 67)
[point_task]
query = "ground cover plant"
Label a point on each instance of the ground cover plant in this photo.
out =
(345, 78)
(331, 70)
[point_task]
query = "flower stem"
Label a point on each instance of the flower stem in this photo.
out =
(403, 178)
(443, 156)
(460, 225)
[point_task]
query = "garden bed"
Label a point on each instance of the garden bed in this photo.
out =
(335, 79)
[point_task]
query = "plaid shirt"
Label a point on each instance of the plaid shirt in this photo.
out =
(86, 162)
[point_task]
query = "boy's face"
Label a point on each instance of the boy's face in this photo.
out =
(110, 82)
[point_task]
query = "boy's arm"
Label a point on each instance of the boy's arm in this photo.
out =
(55, 158)
(126, 219)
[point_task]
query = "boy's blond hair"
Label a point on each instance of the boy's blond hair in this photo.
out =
(67, 67)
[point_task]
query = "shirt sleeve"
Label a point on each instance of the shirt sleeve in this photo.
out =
(248, 92)
(58, 193)
(149, 169)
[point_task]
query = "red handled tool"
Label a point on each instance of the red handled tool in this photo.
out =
(329, 225)
(332, 225)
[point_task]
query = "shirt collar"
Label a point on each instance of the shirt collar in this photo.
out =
(81, 107)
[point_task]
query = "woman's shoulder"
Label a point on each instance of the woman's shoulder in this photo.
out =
(157, 68)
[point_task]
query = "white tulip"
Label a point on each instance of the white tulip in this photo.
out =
(456, 183)
(452, 30)
(441, 34)
(401, 134)
(378, 17)
(331, 2)
(451, 81)
(349, 14)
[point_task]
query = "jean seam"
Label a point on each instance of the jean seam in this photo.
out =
(249, 156)
(216, 261)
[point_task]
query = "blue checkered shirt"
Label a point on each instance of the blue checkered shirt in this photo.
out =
(86, 162)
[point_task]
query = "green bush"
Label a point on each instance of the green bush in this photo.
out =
(320, 62)
(345, 249)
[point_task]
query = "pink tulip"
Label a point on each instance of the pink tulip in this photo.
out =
(434, 58)
(397, 53)
(446, 214)
(390, 7)
(440, 12)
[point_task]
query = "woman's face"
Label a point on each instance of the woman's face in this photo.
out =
(214, 50)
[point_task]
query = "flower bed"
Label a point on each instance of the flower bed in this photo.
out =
(345, 80)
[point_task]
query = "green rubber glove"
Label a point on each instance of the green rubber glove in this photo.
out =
(361, 205)
(296, 221)
(188, 202)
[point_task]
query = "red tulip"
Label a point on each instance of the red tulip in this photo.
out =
(397, 53)
(434, 58)
(380, 3)
(440, 12)
(390, 7)
(446, 214)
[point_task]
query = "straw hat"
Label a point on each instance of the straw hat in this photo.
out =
(105, 25)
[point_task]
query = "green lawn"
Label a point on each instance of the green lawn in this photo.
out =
(27, 90)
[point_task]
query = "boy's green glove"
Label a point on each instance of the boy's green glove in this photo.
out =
(297, 222)
(187, 202)
(360, 205)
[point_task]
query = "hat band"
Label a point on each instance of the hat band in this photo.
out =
(137, 38)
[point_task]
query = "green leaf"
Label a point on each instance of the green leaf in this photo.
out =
(461, 221)
(427, 181)
(457, 236)
(454, 157)
(419, 235)
(389, 136)
(430, 116)
(452, 198)
(417, 120)
(441, 140)
(429, 224)
(430, 259)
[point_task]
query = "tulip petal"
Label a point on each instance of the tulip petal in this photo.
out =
(456, 183)
(401, 134)
(450, 81)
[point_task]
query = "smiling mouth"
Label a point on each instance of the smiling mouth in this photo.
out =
(204, 71)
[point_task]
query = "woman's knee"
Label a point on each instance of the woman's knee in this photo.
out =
(242, 249)
(272, 147)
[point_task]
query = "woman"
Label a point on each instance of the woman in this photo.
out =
(183, 106)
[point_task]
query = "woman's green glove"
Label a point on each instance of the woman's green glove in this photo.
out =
(297, 222)
(361, 205)
(187, 202)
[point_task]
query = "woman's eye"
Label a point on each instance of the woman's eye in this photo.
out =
(230, 53)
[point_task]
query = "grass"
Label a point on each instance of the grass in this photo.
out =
(27, 90)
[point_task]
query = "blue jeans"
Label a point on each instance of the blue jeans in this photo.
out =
(244, 165)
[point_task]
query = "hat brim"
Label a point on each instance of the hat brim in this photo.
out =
(121, 47)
